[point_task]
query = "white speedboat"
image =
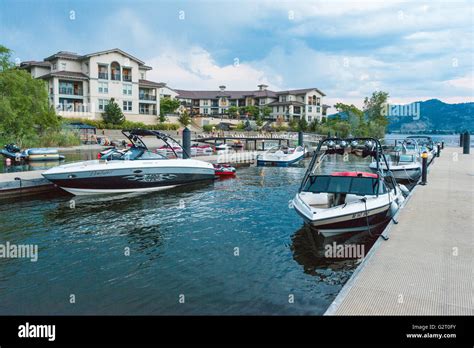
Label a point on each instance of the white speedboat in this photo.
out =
(403, 167)
(136, 169)
(426, 144)
(223, 147)
(281, 155)
(344, 202)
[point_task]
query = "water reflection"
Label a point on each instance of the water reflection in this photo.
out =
(310, 250)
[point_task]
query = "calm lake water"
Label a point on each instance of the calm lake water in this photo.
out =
(181, 242)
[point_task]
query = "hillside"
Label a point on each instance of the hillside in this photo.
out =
(437, 116)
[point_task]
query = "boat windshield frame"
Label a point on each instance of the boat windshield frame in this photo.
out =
(135, 137)
(375, 150)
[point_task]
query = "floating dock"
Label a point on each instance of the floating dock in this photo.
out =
(426, 266)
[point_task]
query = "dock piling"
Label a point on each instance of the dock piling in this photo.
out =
(300, 138)
(439, 150)
(186, 143)
(461, 140)
(466, 143)
(424, 168)
(442, 145)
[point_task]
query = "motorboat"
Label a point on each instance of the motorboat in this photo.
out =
(237, 144)
(281, 155)
(224, 170)
(404, 167)
(426, 144)
(14, 153)
(135, 169)
(166, 150)
(201, 150)
(347, 201)
(222, 147)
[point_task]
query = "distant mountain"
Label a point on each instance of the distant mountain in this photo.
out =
(436, 116)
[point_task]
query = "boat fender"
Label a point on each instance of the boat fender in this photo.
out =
(404, 190)
(393, 208)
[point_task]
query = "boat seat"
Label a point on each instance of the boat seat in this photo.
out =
(321, 200)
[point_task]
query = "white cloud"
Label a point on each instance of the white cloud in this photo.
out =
(194, 68)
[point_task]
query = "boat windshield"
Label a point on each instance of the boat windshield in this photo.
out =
(284, 149)
(406, 158)
(137, 153)
(360, 186)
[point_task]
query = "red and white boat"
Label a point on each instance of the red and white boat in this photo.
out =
(224, 170)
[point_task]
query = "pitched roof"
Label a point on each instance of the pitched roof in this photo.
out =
(114, 50)
(293, 102)
(67, 74)
(300, 91)
(151, 83)
(230, 94)
(63, 54)
(29, 63)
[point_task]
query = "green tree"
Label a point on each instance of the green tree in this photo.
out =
(184, 119)
(25, 114)
(314, 126)
(112, 113)
(251, 110)
(167, 106)
(233, 111)
(302, 124)
(266, 112)
(5, 59)
(293, 124)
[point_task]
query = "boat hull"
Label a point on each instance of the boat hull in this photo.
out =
(350, 223)
(278, 163)
(113, 179)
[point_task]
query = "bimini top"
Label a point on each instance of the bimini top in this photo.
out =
(356, 174)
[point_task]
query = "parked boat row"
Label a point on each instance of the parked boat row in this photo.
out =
(14, 153)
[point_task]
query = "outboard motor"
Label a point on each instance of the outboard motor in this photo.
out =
(12, 148)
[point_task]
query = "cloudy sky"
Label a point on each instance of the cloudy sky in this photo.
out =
(414, 50)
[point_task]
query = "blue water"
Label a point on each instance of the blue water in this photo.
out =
(182, 242)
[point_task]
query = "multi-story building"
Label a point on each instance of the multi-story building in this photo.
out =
(286, 104)
(82, 85)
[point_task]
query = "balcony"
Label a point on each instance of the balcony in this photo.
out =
(70, 91)
(147, 97)
(72, 108)
(115, 77)
(127, 78)
(103, 76)
(147, 112)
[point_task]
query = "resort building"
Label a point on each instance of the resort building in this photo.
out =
(288, 104)
(81, 85)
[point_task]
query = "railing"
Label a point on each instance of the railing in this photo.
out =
(115, 77)
(69, 91)
(147, 97)
(72, 107)
(103, 76)
(127, 78)
(147, 112)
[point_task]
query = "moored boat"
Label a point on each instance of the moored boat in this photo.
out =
(135, 169)
(14, 153)
(351, 201)
(281, 156)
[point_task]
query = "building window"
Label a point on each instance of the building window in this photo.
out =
(318, 109)
(55, 66)
(205, 102)
(142, 76)
(103, 87)
(318, 101)
(102, 104)
(309, 118)
(115, 71)
(127, 105)
(127, 89)
(103, 71)
(63, 66)
(262, 101)
(206, 111)
(310, 109)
